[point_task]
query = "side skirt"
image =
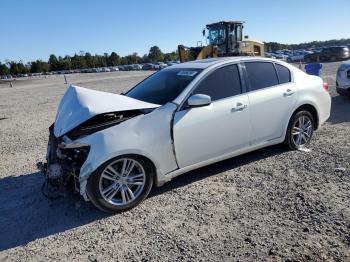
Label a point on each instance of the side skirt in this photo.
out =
(173, 174)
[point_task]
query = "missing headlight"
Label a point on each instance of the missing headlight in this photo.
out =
(63, 166)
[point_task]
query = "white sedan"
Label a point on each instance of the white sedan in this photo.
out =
(115, 147)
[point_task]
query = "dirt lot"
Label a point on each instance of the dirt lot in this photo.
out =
(271, 204)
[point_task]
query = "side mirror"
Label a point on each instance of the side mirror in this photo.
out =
(199, 100)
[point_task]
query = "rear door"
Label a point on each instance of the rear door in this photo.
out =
(272, 96)
(220, 128)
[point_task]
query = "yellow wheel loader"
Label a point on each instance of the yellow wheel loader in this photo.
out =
(225, 39)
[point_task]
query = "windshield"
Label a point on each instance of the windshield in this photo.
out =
(217, 35)
(163, 86)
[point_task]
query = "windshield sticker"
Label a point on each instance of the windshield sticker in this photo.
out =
(187, 73)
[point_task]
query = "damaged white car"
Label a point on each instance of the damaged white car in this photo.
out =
(113, 148)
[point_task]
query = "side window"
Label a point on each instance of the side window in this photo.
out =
(283, 74)
(223, 82)
(261, 75)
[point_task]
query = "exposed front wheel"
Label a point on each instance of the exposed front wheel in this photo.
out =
(120, 184)
(300, 130)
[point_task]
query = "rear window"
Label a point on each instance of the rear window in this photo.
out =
(261, 75)
(283, 74)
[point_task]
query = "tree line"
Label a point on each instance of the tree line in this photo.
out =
(274, 46)
(84, 60)
(87, 60)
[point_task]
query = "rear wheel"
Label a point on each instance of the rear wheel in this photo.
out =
(300, 130)
(120, 184)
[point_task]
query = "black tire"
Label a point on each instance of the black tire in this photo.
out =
(98, 200)
(289, 141)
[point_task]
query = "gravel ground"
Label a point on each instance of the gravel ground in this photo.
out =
(271, 204)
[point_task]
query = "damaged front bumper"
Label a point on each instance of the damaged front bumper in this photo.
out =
(64, 160)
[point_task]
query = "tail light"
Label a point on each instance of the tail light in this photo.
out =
(325, 86)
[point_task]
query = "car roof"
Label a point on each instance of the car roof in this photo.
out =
(208, 62)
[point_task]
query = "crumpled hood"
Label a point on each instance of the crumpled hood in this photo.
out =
(79, 104)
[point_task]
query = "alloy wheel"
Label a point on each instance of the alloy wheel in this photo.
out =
(302, 131)
(122, 181)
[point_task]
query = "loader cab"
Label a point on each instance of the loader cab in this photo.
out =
(226, 36)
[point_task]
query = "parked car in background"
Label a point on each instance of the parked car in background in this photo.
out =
(296, 57)
(121, 68)
(270, 55)
(114, 69)
(160, 65)
(284, 52)
(280, 56)
(179, 119)
(126, 68)
(105, 69)
(343, 79)
(171, 63)
(136, 67)
(333, 53)
(148, 66)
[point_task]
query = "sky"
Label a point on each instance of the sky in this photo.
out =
(35, 29)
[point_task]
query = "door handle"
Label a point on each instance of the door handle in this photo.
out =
(239, 107)
(288, 92)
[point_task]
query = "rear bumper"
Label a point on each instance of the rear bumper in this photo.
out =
(324, 110)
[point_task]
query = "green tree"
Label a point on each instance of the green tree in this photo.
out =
(39, 66)
(90, 61)
(22, 69)
(132, 59)
(113, 59)
(53, 63)
(101, 61)
(78, 62)
(145, 59)
(14, 70)
(171, 56)
(66, 63)
(123, 61)
(4, 70)
(155, 54)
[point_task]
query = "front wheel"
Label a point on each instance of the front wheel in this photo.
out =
(120, 184)
(300, 130)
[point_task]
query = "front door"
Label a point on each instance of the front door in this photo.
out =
(221, 128)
